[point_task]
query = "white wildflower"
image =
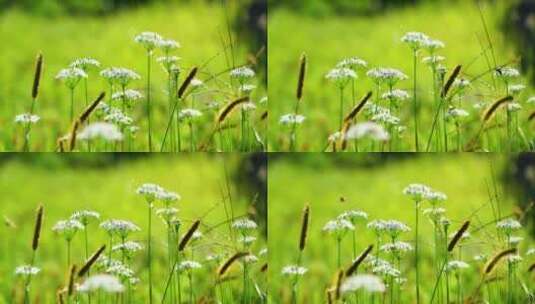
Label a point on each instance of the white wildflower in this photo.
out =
(71, 76)
(454, 266)
(386, 75)
(27, 270)
(121, 76)
(102, 282)
(189, 114)
(294, 270)
(85, 216)
(290, 119)
(189, 265)
(149, 40)
(67, 228)
(352, 63)
(104, 130)
(244, 224)
(85, 64)
(370, 130)
(415, 40)
(396, 95)
(367, 282)
(119, 227)
(27, 118)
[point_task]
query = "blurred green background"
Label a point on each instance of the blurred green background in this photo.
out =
(107, 183)
(104, 30)
(328, 31)
(374, 182)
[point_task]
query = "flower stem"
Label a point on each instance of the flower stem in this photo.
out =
(149, 119)
(414, 103)
(416, 259)
(149, 249)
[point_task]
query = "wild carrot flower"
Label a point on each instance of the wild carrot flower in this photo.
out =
(516, 88)
(129, 95)
(67, 228)
(149, 191)
(507, 73)
(85, 216)
(242, 74)
(27, 270)
(128, 247)
(85, 64)
(370, 130)
(290, 119)
(294, 270)
(388, 76)
(106, 131)
(456, 114)
(366, 282)
(341, 76)
(352, 63)
(353, 215)
(455, 266)
(432, 45)
(27, 118)
(120, 76)
(415, 40)
(167, 45)
(417, 192)
(189, 114)
(149, 40)
(102, 282)
(396, 95)
(120, 228)
(189, 265)
(71, 76)
(507, 226)
(244, 225)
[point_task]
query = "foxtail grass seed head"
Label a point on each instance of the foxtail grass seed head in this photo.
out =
(189, 234)
(366, 282)
(450, 81)
(491, 264)
(489, 112)
(72, 278)
(91, 261)
(458, 235)
(87, 112)
(226, 110)
(226, 265)
(187, 82)
(304, 228)
(358, 261)
(301, 79)
(37, 227)
(102, 282)
(37, 75)
(358, 108)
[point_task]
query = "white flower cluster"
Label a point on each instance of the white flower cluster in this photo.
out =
(397, 247)
(120, 76)
(67, 228)
(189, 265)
(455, 265)
(189, 114)
(244, 224)
(85, 64)
(508, 225)
(27, 118)
(106, 131)
(120, 228)
(353, 215)
(242, 73)
(27, 270)
(396, 95)
(370, 130)
(294, 270)
(507, 73)
(128, 247)
(338, 227)
(128, 95)
(149, 40)
(352, 63)
(386, 75)
(85, 216)
(341, 76)
(101, 282)
(290, 119)
(415, 40)
(367, 282)
(117, 117)
(71, 76)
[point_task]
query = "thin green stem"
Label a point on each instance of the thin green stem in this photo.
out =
(149, 250)
(414, 101)
(149, 119)
(416, 250)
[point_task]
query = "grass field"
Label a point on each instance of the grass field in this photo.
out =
(110, 189)
(199, 27)
(376, 188)
(377, 40)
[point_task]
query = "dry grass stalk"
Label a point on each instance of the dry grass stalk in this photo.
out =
(458, 235)
(229, 107)
(304, 227)
(358, 108)
(37, 228)
(301, 79)
(225, 266)
(355, 265)
(37, 75)
(450, 81)
(187, 82)
(87, 112)
(496, 258)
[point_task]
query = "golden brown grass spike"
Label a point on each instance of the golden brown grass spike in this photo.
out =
(229, 107)
(72, 137)
(92, 259)
(458, 235)
(531, 267)
(304, 227)
(343, 140)
(329, 296)
(70, 287)
(59, 297)
(188, 235)
(91, 108)
(450, 81)
(187, 82)
(356, 110)
(264, 115)
(37, 75)
(338, 284)
(225, 266)
(495, 106)
(355, 265)
(37, 228)
(301, 80)
(264, 267)
(496, 258)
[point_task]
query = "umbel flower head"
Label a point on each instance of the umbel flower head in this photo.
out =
(85, 216)
(67, 228)
(189, 114)
(417, 192)
(242, 73)
(394, 228)
(352, 63)
(507, 226)
(368, 129)
(149, 40)
(27, 118)
(120, 76)
(455, 266)
(119, 228)
(120, 270)
(101, 282)
(27, 270)
(397, 247)
(128, 95)
(168, 44)
(456, 114)
(341, 76)
(290, 119)
(116, 116)
(367, 282)
(388, 76)
(432, 45)
(128, 247)
(338, 227)
(507, 73)
(353, 215)
(85, 64)
(415, 40)
(71, 76)
(244, 224)
(293, 270)
(189, 265)
(396, 95)
(168, 197)
(106, 131)
(149, 191)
